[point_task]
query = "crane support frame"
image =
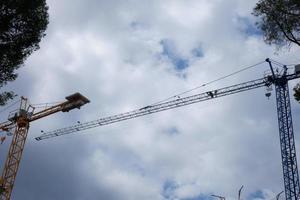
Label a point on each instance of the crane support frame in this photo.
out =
(287, 142)
(179, 102)
(13, 159)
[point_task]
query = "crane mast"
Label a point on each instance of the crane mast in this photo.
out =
(20, 121)
(287, 142)
(16, 148)
(286, 134)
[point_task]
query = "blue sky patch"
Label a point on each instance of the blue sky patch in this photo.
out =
(169, 50)
(198, 52)
(248, 27)
(136, 25)
(172, 131)
(256, 195)
(200, 197)
(169, 188)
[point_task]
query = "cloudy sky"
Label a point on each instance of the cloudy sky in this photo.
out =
(124, 55)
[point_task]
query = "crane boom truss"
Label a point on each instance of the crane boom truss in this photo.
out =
(164, 106)
(288, 150)
(157, 108)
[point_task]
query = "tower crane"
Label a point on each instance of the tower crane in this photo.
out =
(19, 121)
(286, 134)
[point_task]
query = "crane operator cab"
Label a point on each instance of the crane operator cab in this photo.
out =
(25, 111)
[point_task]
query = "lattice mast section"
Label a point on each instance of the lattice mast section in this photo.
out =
(21, 119)
(287, 142)
(286, 135)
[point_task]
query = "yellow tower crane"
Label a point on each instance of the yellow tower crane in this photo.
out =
(19, 121)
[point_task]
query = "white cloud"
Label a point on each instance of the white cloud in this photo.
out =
(109, 51)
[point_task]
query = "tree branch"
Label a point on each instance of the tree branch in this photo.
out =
(293, 39)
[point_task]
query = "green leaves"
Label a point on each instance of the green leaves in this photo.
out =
(297, 92)
(5, 96)
(23, 23)
(279, 21)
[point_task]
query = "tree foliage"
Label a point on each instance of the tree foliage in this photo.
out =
(297, 92)
(22, 25)
(280, 24)
(279, 21)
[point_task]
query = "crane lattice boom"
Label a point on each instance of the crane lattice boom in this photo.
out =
(287, 143)
(20, 122)
(164, 106)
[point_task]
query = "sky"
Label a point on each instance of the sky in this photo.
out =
(125, 55)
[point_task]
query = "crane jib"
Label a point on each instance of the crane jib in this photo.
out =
(284, 114)
(179, 102)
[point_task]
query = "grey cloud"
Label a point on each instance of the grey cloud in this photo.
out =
(108, 50)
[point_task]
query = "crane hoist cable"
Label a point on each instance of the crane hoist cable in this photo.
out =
(281, 64)
(208, 83)
(48, 103)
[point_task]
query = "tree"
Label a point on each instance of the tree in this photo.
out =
(23, 23)
(280, 24)
(297, 93)
(279, 21)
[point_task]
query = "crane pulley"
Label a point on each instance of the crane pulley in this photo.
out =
(19, 121)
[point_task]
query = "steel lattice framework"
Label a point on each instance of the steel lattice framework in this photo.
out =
(13, 160)
(179, 102)
(287, 142)
(20, 120)
(288, 151)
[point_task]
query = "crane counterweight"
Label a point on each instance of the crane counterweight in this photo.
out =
(75, 100)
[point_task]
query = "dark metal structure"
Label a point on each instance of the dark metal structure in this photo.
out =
(286, 135)
(288, 151)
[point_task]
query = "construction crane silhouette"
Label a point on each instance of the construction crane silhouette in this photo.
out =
(19, 121)
(287, 143)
